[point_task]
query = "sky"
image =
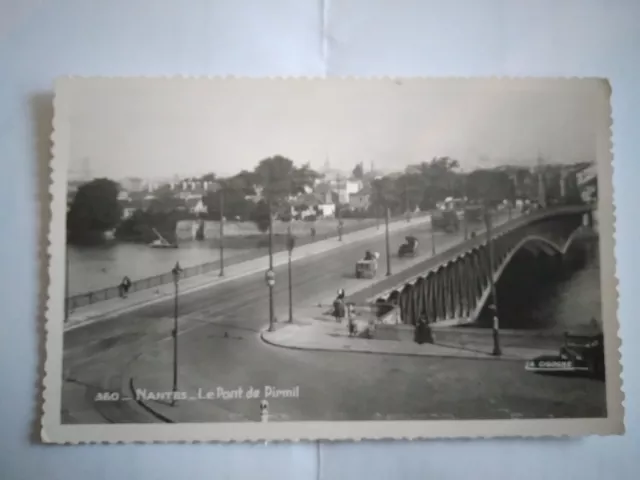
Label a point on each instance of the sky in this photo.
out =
(163, 128)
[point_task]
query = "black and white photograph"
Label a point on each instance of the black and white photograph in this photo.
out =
(291, 259)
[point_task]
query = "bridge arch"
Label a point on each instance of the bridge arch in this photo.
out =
(455, 291)
(536, 242)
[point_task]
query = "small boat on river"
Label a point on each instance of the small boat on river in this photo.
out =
(161, 242)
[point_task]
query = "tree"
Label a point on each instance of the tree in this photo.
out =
(235, 202)
(280, 178)
(358, 172)
(245, 181)
(439, 179)
(304, 177)
(166, 202)
(94, 210)
(275, 176)
(384, 194)
(489, 187)
(260, 216)
(409, 188)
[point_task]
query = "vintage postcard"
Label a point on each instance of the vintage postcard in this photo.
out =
(339, 259)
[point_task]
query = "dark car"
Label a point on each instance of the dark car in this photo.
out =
(409, 248)
(579, 354)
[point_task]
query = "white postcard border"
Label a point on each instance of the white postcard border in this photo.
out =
(53, 431)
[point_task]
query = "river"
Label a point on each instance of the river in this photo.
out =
(555, 303)
(572, 303)
(96, 268)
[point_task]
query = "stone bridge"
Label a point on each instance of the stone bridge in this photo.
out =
(455, 291)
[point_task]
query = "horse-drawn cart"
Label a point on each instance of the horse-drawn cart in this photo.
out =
(409, 248)
(368, 266)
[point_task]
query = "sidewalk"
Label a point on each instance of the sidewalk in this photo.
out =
(108, 308)
(149, 386)
(320, 333)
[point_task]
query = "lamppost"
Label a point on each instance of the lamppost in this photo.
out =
(465, 199)
(433, 238)
(176, 271)
(66, 285)
(270, 273)
(493, 306)
(386, 237)
(406, 202)
(221, 229)
(338, 209)
(465, 218)
(290, 245)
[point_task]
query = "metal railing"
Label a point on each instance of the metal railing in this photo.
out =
(83, 299)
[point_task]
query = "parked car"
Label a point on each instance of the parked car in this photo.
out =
(580, 353)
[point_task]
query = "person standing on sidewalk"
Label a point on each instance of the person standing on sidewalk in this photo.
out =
(423, 332)
(351, 319)
(124, 287)
(339, 308)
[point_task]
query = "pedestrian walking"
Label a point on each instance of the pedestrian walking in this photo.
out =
(351, 314)
(124, 287)
(339, 308)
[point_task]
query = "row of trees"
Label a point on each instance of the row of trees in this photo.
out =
(95, 208)
(274, 181)
(424, 185)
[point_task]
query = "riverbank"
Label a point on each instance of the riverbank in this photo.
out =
(98, 267)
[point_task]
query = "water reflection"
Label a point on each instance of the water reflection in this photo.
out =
(100, 267)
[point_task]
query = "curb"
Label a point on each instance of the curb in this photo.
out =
(146, 407)
(487, 357)
(221, 280)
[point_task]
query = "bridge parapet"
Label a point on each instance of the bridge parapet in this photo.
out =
(455, 291)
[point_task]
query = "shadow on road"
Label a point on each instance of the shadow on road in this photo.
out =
(572, 375)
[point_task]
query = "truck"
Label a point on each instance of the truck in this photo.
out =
(473, 213)
(445, 220)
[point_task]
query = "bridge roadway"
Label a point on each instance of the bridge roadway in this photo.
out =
(220, 346)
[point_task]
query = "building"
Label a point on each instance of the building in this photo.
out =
(360, 200)
(127, 211)
(132, 184)
(327, 209)
(344, 188)
(587, 182)
(323, 193)
(196, 205)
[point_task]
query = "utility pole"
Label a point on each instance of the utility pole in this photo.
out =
(433, 242)
(221, 230)
(493, 306)
(386, 234)
(406, 200)
(465, 192)
(66, 284)
(290, 246)
(338, 210)
(270, 285)
(176, 281)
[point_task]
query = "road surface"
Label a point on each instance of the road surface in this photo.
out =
(219, 346)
